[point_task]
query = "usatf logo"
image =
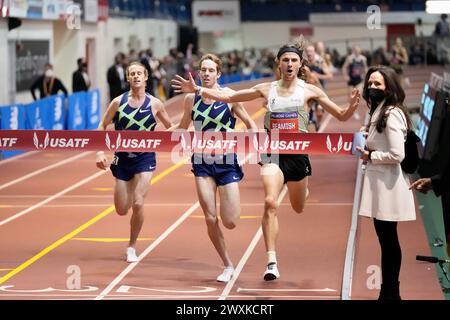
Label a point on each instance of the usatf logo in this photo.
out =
(264, 146)
(8, 142)
(184, 144)
(334, 149)
(110, 146)
(58, 143)
(40, 145)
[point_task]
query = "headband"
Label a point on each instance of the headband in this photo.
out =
(289, 49)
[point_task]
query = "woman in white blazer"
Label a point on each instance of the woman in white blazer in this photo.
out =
(385, 195)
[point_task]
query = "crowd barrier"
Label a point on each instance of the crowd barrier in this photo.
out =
(79, 111)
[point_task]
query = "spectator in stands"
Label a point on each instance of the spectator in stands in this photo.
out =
(317, 65)
(385, 193)
(399, 57)
(442, 28)
(116, 76)
(47, 84)
(80, 77)
(379, 57)
(319, 69)
(354, 69)
(170, 66)
(133, 56)
(325, 55)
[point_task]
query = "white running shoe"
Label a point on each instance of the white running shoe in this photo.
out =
(131, 255)
(271, 272)
(226, 275)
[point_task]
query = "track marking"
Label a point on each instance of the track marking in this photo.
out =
(126, 289)
(66, 237)
(248, 252)
(258, 234)
(55, 245)
(103, 189)
(284, 290)
(96, 205)
(105, 213)
(149, 249)
(39, 171)
(53, 197)
(241, 217)
(20, 156)
(347, 275)
(179, 297)
(110, 239)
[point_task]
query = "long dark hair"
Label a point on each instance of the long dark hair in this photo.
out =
(394, 93)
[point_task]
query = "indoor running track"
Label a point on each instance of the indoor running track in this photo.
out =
(61, 238)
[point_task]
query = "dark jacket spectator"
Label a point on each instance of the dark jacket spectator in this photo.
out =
(442, 28)
(116, 75)
(47, 84)
(80, 78)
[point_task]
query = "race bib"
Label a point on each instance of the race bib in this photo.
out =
(284, 121)
(115, 160)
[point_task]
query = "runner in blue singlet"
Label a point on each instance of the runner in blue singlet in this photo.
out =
(133, 110)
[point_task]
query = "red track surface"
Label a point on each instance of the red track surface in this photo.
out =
(38, 247)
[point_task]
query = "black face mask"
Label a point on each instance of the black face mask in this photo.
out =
(375, 96)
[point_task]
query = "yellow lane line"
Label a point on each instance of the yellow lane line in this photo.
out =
(241, 217)
(110, 239)
(94, 220)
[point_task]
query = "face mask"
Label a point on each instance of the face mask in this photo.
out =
(49, 73)
(376, 95)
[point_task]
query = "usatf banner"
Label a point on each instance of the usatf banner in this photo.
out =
(178, 141)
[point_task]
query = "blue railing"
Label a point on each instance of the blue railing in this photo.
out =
(236, 77)
(80, 111)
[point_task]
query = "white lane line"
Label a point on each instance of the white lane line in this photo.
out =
(258, 234)
(20, 156)
(152, 246)
(32, 196)
(149, 249)
(95, 205)
(248, 252)
(347, 275)
(34, 173)
(149, 297)
(53, 197)
(284, 290)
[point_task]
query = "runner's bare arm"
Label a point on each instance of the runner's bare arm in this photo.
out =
(109, 114)
(100, 159)
(186, 118)
(240, 112)
(182, 85)
(339, 113)
(161, 113)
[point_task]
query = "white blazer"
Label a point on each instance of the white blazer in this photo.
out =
(385, 194)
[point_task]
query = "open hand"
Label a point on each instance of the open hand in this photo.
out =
(355, 98)
(179, 84)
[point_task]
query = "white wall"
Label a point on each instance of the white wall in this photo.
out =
(329, 27)
(67, 45)
(30, 30)
(334, 37)
(4, 72)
